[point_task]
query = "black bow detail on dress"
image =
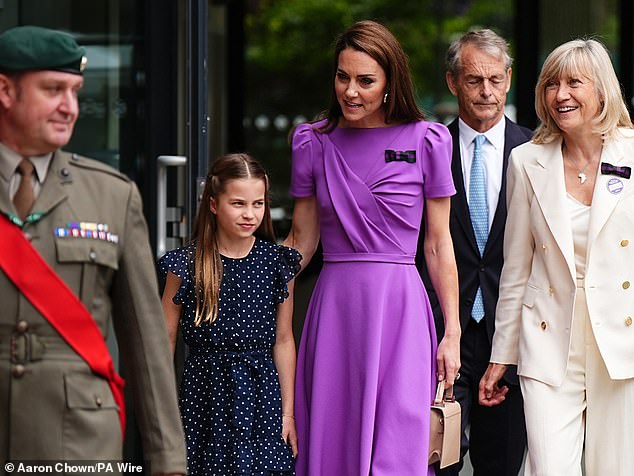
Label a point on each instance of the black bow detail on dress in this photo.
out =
(408, 156)
(609, 169)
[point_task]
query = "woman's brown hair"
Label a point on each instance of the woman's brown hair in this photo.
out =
(379, 43)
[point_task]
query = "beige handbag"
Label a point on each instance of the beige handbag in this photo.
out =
(444, 426)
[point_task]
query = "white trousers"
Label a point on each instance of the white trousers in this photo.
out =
(589, 411)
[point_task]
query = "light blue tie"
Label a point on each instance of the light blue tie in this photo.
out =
(479, 212)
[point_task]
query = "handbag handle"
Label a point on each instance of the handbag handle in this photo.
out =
(443, 395)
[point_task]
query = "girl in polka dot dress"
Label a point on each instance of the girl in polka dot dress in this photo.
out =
(228, 290)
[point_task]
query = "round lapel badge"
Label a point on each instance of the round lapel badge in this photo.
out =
(615, 185)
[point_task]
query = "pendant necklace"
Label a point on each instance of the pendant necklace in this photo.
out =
(583, 178)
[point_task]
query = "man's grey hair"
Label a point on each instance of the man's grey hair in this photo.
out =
(485, 40)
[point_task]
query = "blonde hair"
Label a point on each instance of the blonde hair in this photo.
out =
(208, 263)
(590, 59)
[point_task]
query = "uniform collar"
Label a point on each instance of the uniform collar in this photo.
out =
(10, 159)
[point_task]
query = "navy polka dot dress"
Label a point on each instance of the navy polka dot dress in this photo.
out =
(230, 394)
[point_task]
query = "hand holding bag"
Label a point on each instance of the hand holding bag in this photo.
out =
(444, 426)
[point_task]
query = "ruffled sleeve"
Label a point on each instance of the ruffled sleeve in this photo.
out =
(181, 263)
(304, 146)
(288, 265)
(436, 162)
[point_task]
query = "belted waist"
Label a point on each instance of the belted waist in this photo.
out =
(581, 282)
(244, 371)
(24, 347)
(374, 257)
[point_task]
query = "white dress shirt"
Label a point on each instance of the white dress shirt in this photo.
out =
(493, 153)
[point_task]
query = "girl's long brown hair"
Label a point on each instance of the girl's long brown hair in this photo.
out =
(207, 264)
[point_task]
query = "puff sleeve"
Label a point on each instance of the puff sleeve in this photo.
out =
(181, 263)
(304, 146)
(436, 163)
(288, 265)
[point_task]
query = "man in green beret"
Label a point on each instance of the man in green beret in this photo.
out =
(74, 253)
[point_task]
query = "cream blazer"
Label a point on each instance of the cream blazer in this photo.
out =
(538, 283)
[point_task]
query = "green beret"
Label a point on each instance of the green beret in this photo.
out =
(29, 48)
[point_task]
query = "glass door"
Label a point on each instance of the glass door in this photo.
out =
(111, 100)
(129, 102)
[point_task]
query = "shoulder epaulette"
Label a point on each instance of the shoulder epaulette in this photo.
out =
(92, 164)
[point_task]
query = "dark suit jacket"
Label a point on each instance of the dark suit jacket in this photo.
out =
(473, 270)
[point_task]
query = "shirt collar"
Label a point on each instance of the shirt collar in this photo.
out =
(495, 135)
(10, 159)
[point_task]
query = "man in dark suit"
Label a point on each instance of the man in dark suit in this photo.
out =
(479, 75)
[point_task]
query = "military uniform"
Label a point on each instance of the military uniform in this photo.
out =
(93, 234)
(85, 220)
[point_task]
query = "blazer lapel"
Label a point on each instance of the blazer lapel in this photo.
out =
(459, 205)
(57, 177)
(52, 191)
(512, 138)
(608, 190)
(546, 175)
(6, 207)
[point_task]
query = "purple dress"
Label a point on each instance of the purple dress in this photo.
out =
(367, 354)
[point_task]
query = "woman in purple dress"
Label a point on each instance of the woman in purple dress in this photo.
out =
(366, 368)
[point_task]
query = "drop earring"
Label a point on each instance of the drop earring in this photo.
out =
(385, 99)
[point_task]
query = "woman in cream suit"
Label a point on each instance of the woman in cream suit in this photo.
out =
(567, 288)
